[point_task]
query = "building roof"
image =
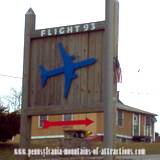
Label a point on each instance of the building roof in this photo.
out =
(122, 106)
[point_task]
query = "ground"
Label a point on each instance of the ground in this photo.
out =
(7, 149)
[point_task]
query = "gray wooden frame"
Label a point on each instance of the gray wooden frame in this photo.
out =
(27, 112)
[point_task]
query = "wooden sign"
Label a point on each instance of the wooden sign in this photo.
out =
(65, 72)
(58, 52)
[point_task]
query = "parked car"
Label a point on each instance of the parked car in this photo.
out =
(142, 138)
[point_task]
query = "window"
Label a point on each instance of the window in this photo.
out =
(67, 117)
(136, 124)
(120, 118)
(41, 119)
(148, 121)
(148, 126)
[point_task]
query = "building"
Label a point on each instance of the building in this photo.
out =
(133, 122)
(129, 122)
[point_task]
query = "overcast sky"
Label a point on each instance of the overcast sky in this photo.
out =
(139, 49)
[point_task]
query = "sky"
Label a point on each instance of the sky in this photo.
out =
(139, 47)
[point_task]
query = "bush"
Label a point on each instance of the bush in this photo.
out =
(9, 124)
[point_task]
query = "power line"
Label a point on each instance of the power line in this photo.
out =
(10, 76)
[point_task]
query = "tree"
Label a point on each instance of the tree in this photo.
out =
(9, 124)
(14, 100)
(156, 134)
(2, 108)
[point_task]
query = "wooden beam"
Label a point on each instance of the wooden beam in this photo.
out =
(25, 129)
(62, 109)
(108, 74)
(71, 29)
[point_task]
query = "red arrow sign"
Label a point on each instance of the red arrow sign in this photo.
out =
(86, 122)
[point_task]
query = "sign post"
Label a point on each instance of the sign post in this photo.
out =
(110, 49)
(25, 128)
(108, 76)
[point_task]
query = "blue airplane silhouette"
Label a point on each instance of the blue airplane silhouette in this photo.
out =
(68, 69)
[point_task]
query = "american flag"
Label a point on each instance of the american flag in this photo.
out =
(117, 70)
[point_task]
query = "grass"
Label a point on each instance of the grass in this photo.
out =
(151, 148)
(6, 149)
